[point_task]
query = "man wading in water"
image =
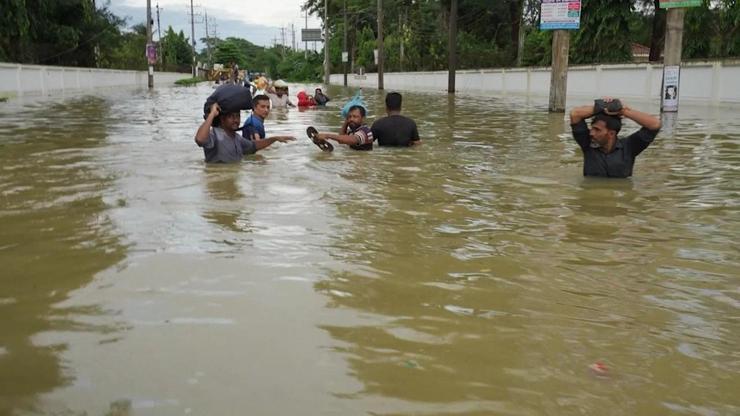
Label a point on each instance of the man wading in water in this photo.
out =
(354, 132)
(220, 141)
(605, 154)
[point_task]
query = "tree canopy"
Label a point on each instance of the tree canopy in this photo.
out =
(79, 33)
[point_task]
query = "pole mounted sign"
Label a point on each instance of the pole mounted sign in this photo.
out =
(311, 35)
(560, 14)
(668, 4)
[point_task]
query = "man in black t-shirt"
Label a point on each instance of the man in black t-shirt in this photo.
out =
(395, 130)
(604, 153)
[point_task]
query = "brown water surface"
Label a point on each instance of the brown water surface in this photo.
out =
(477, 274)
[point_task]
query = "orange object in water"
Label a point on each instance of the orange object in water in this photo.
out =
(599, 368)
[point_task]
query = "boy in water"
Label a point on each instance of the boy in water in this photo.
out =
(254, 128)
(220, 141)
(354, 133)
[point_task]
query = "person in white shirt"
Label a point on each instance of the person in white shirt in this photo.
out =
(278, 94)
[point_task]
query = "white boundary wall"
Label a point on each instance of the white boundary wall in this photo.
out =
(710, 82)
(19, 80)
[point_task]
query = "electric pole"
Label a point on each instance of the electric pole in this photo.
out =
(559, 72)
(345, 53)
(305, 42)
(380, 44)
(672, 57)
(400, 28)
(282, 39)
(292, 30)
(160, 57)
(192, 33)
(208, 42)
(452, 48)
(149, 42)
(326, 42)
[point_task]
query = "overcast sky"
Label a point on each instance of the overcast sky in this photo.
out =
(261, 20)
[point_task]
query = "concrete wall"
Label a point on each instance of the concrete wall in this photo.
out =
(19, 80)
(710, 82)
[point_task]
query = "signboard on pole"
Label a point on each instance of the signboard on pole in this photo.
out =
(671, 77)
(151, 53)
(667, 4)
(311, 35)
(560, 14)
(345, 57)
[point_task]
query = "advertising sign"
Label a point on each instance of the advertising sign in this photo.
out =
(667, 4)
(311, 35)
(671, 76)
(345, 57)
(151, 53)
(560, 14)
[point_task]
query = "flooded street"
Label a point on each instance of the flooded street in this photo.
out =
(477, 274)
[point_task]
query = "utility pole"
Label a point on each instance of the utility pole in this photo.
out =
(305, 42)
(559, 72)
(400, 28)
(282, 39)
(380, 44)
(208, 40)
(326, 42)
(292, 29)
(149, 42)
(345, 53)
(159, 40)
(452, 48)
(672, 59)
(192, 34)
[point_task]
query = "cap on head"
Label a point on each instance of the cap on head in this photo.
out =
(280, 84)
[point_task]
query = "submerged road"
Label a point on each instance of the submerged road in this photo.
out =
(477, 274)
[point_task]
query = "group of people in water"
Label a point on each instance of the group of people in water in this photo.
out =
(604, 152)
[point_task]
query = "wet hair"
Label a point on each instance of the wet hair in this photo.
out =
(358, 107)
(393, 101)
(260, 97)
(612, 122)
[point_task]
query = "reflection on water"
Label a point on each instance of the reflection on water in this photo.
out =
(55, 237)
(479, 273)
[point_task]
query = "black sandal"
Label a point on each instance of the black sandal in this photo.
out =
(324, 145)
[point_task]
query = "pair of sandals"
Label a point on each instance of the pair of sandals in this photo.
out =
(324, 145)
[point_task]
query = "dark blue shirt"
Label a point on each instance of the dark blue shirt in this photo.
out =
(619, 162)
(252, 125)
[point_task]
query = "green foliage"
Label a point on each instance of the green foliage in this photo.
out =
(712, 32)
(602, 37)
(76, 32)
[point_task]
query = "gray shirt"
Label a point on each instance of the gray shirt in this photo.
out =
(221, 148)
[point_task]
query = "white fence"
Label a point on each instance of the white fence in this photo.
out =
(19, 80)
(710, 82)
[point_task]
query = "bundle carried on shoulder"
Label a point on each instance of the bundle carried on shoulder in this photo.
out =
(356, 101)
(231, 98)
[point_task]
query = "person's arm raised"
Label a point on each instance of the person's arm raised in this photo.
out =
(201, 136)
(646, 120)
(578, 114)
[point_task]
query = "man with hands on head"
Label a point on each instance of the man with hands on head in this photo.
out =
(220, 141)
(604, 153)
